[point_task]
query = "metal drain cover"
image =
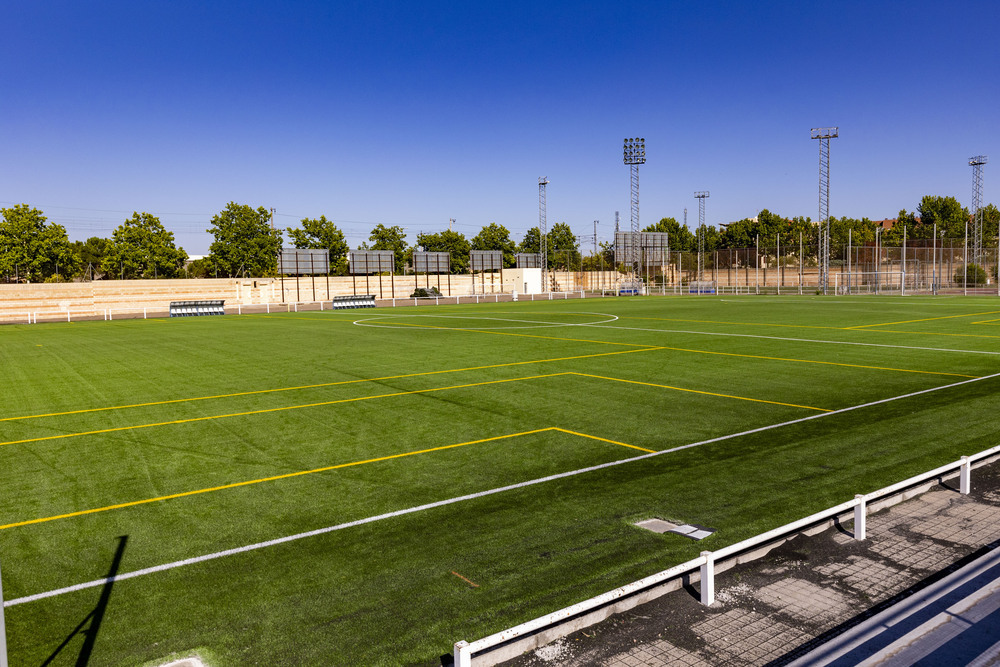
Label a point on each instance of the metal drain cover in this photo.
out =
(657, 525)
(685, 529)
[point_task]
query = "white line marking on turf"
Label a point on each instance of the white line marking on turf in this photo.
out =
(794, 340)
(458, 499)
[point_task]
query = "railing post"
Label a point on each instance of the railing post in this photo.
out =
(3, 632)
(708, 579)
(462, 655)
(860, 517)
(965, 476)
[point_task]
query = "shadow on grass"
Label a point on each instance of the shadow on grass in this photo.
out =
(93, 620)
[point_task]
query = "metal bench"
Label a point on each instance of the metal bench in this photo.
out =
(195, 308)
(356, 301)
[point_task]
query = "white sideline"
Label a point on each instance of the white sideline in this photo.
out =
(458, 499)
(794, 340)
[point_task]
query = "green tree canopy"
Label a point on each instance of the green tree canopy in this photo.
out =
(496, 237)
(946, 213)
(681, 238)
(390, 238)
(565, 249)
(320, 233)
(141, 247)
(91, 252)
(244, 241)
(451, 242)
(32, 249)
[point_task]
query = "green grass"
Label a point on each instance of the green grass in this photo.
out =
(428, 378)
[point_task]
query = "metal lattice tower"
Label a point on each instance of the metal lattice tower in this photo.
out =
(701, 196)
(976, 234)
(635, 154)
(543, 245)
(824, 134)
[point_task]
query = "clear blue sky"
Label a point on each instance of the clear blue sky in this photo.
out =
(413, 113)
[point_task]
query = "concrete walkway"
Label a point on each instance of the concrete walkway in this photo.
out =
(924, 586)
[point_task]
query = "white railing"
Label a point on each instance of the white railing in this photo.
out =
(31, 317)
(705, 563)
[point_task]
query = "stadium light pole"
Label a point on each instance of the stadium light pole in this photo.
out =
(824, 134)
(634, 155)
(976, 235)
(701, 196)
(542, 234)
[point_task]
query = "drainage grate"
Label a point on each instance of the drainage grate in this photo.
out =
(687, 530)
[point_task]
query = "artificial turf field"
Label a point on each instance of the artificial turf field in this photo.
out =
(132, 444)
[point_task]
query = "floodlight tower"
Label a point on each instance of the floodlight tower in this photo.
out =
(701, 196)
(542, 233)
(824, 134)
(977, 163)
(635, 154)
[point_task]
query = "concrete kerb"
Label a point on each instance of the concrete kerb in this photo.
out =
(515, 641)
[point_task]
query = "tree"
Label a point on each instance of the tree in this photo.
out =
(531, 243)
(91, 253)
(244, 241)
(949, 216)
(141, 247)
(450, 242)
(564, 253)
(390, 238)
(496, 237)
(32, 249)
(320, 234)
(679, 237)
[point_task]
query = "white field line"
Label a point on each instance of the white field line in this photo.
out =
(458, 499)
(794, 340)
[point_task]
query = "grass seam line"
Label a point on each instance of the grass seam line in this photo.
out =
(174, 422)
(320, 385)
(451, 501)
(272, 478)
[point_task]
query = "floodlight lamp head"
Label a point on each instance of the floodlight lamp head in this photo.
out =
(824, 132)
(978, 159)
(543, 180)
(635, 150)
(701, 194)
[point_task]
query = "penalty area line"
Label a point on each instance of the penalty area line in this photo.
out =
(463, 498)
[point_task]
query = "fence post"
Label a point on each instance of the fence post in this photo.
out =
(708, 579)
(965, 476)
(860, 517)
(462, 655)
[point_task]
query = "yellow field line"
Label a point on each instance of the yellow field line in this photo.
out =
(930, 333)
(742, 324)
(594, 437)
(272, 478)
(925, 319)
(989, 322)
(812, 361)
(696, 391)
(300, 473)
(317, 386)
(117, 429)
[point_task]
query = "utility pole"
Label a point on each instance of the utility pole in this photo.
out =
(451, 221)
(272, 219)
